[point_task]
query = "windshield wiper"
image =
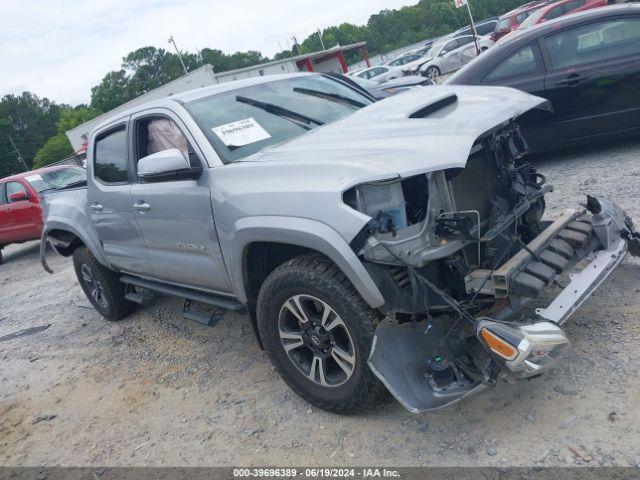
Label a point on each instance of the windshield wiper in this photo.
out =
(334, 97)
(279, 111)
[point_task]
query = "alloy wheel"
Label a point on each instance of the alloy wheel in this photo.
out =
(94, 286)
(316, 340)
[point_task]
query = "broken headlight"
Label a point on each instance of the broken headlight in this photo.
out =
(523, 350)
(382, 201)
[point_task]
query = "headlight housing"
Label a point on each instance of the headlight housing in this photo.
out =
(525, 350)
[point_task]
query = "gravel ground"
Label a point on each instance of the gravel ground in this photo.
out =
(158, 390)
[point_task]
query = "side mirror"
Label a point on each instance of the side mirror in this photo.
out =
(443, 53)
(163, 164)
(18, 197)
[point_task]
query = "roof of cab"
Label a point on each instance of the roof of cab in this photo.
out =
(201, 92)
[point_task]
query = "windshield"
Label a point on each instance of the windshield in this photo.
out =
(241, 122)
(435, 49)
(532, 19)
(56, 179)
(503, 24)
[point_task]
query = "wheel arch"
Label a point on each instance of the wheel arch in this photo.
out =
(283, 238)
(65, 238)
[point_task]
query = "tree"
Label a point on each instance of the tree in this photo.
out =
(58, 146)
(112, 91)
(28, 121)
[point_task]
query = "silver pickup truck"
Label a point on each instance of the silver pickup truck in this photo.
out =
(373, 244)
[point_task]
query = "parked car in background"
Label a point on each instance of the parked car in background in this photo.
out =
(391, 87)
(20, 201)
(559, 9)
(482, 29)
(409, 57)
(448, 56)
(587, 64)
(380, 73)
(510, 21)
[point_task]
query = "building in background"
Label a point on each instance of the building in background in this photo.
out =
(325, 61)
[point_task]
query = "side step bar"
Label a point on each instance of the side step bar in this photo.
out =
(187, 293)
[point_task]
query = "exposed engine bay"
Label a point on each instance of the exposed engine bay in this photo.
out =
(457, 253)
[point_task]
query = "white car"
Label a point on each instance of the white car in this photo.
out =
(381, 73)
(447, 56)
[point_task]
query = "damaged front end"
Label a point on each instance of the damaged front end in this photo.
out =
(458, 252)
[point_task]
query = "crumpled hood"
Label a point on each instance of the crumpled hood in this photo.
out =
(384, 140)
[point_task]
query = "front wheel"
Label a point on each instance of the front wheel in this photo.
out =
(101, 286)
(432, 73)
(318, 331)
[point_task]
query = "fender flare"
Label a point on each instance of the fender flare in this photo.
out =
(301, 232)
(65, 225)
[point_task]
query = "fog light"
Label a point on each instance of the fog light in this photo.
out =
(523, 350)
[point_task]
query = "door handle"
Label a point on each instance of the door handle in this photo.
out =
(572, 80)
(141, 207)
(96, 207)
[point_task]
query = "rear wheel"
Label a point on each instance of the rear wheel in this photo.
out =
(317, 331)
(101, 286)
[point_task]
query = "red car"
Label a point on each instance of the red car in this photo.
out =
(510, 21)
(20, 210)
(558, 9)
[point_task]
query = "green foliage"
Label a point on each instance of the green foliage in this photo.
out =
(148, 68)
(29, 121)
(58, 146)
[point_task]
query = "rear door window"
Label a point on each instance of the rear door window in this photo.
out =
(110, 165)
(594, 42)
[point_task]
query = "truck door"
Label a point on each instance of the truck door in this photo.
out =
(109, 201)
(4, 217)
(176, 216)
(22, 214)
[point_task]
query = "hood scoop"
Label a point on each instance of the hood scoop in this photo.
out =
(435, 106)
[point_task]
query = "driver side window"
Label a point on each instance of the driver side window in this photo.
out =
(159, 133)
(13, 188)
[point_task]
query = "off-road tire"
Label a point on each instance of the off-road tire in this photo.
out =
(113, 291)
(317, 276)
(0, 256)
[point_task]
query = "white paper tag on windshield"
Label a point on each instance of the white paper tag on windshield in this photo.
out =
(33, 178)
(242, 132)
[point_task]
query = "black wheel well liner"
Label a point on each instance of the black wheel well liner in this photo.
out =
(64, 241)
(259, 259)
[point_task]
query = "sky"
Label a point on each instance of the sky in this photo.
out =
(61, 48)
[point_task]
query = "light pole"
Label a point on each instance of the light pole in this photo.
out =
(171, 40)
(321, 42)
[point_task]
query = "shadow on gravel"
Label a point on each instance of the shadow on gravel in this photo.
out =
(22, 251)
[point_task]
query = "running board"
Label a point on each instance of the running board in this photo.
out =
(186, 293)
